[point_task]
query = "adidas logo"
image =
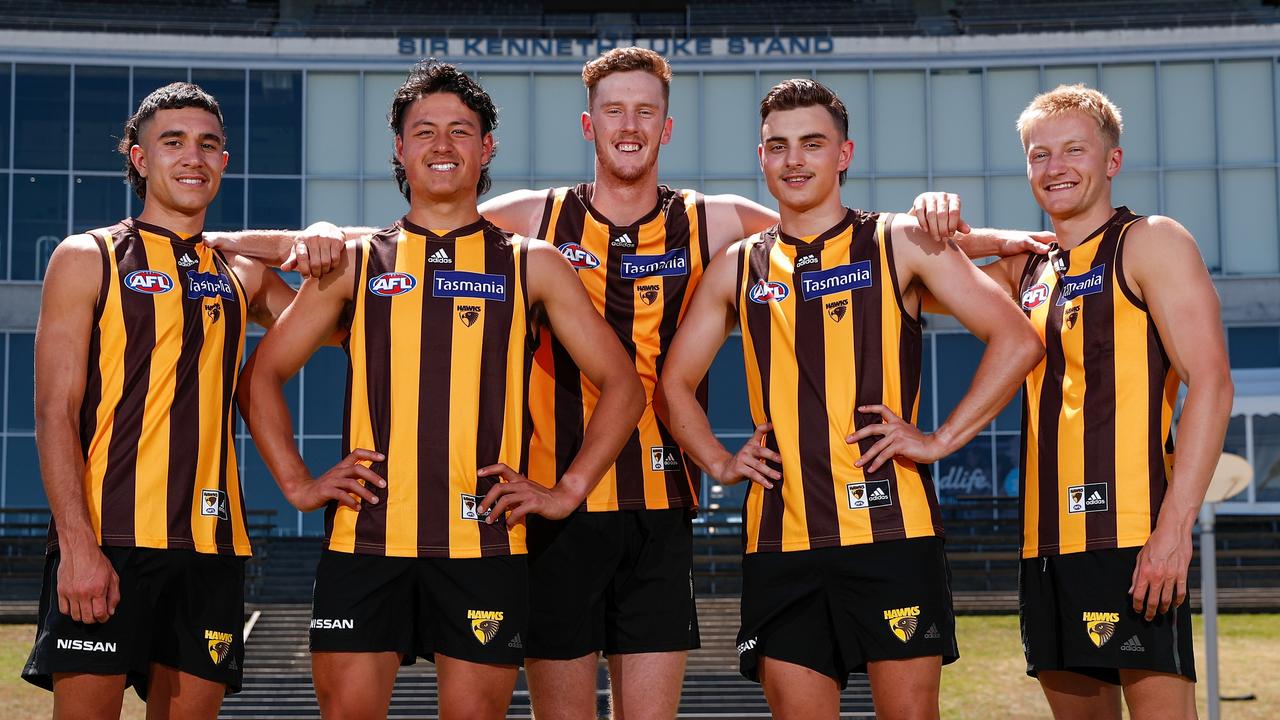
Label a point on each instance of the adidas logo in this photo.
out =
(932, 633)
(879, 494)
(1095, 498)
(440, 256)
(187, 261)
(1133, 644)
(623, 240)
(515, 642)
(806, 260)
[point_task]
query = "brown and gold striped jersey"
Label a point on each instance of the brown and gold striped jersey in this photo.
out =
(155, 422)
(641, 278)
(824, 331)
(1098, 410)
(440, 349)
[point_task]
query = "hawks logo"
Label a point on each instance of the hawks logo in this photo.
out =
(837, 309)
(148, 282)
(765, 290)
(1100, 626)
(579, 257)
(213, 503)
(648, 293)
(1035, 297)
(213, 311)
(392, 284)
(903, 621)
(219, 645)
(1070, 316)
(468, 314)
(485, 624)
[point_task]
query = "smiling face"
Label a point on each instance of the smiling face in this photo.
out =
(802, 154)
(1070, 164)
(180, 153)
(628, 122)
(443, 148)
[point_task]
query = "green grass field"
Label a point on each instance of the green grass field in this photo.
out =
(988, 682)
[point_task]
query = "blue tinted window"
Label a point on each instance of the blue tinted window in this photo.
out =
(4, 225)
(729, 407)
(260, 490)
(23, 487)
(1254, 347)
(227, 87)
(966, 472)
(958, 357)
(39, 222)
(227, 210)
(147, 79)
(926, 421)
(275, 102)
(21, 394)
(1010, 418)
(275, 203)
(1008, 460)
(42, 116)
(325, 391)
(99, 201)
(5, 81)
(102, 106)
(320, 456)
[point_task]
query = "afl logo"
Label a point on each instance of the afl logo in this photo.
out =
(765, 290)
(392, 283)
(148, 282)
(579, 257)
(1035, 297)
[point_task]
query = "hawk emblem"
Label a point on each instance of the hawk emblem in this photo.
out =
(904, 627)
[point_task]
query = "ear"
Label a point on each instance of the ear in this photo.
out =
(400, 149)
(1115, 159)
(226, 157)
(588, 133)
(666, 130)
(760, 156)
(139, 159)
(486, 150)
(846, 155)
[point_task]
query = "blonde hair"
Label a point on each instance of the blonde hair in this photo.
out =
(1078, 97)
(626, 59)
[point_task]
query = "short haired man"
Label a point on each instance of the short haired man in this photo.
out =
(1126, 310)
(139, 341)
(829, 304)
(443, 310)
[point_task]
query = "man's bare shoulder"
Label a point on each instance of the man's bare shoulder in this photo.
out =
(77, 251)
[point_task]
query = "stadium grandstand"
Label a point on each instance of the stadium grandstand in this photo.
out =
(933, 88)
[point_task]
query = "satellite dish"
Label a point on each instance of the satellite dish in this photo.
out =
(1231, 477)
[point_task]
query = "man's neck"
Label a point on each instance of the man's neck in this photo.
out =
(1073, 230)
(624, 202)
(816, 220)
(172, 220)
(443, 214)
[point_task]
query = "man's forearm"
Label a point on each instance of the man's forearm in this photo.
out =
(62, 470)
(1201, 431)
(1003, 368)
(263, 406)
(691, 428)
(612, 422)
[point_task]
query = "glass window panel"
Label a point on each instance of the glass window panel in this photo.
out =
(1186, 113)
(260, 489)
(1236, 442)
(1266, 457)
(227, 210)
(1254, 347)
(973, 197)
(4, 225)
(102, 106)
(1012, 205)
(333, 123)
(227, 87)
(337, 201)
(39, 222)
(383, 203)
(899, 122)
(511, 94)
(769, 79)
(502, 187)
(731, 133)
(1070, 75)
(325, 376)
(99, 202)
(852, 87)
(21, 387)
(956, 120)
(854, 194)
(558, 104)
(1008, 93)
(729, 408)
(958, 357)
(1137, 191)
(148, 79)
(1191, 197)
(275, 204)
(23, 487)
(320, 455)
(680, 156)
(1249, 221)
(379, 141)
(5, 79)
(275, 109)
(1133, 89)
(897, 194)
(966, 473)
(745, 188)
(1249, 136)
(1008, 462)
(926, 420)
(41, 116)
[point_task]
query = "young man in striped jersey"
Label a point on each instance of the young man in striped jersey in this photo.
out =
(845, 569)
(139, 341)
(1126, 310)
(444, 310)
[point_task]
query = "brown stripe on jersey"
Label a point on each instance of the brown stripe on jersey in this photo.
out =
(1050, 408)
(545, 223)
(357, 260)
(232, 337)
(435, 389)
(811, 393)
(93, 381)
(1099, 463)
(530, 345)
(138, 309)
(1158, 368)
(371, 519)
(184, 412)
(759, 324)
(674, 289)
(569, 421)
(619, 312)
(498, 259)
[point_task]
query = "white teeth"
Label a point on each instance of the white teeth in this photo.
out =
(190, 181)
(1062, 186)
(443, 167)
(628, 147)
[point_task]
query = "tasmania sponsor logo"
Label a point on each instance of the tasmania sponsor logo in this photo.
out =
(391, 284)
(459, 283)
(675, 262)
(1035, 296)
(485, 624)
(903, 621)
(817, 283)
(148, 282)
(765, 290)
(1100, 626)
(579, 257)
(209, 285)
(86, 645)
(1074, 286)
(333, 624)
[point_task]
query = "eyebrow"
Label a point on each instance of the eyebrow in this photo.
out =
(807, 136)
(428, 121)
(172, 133)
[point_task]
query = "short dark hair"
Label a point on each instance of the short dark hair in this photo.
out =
(429, 77)
(803, 92)
(173, 96)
